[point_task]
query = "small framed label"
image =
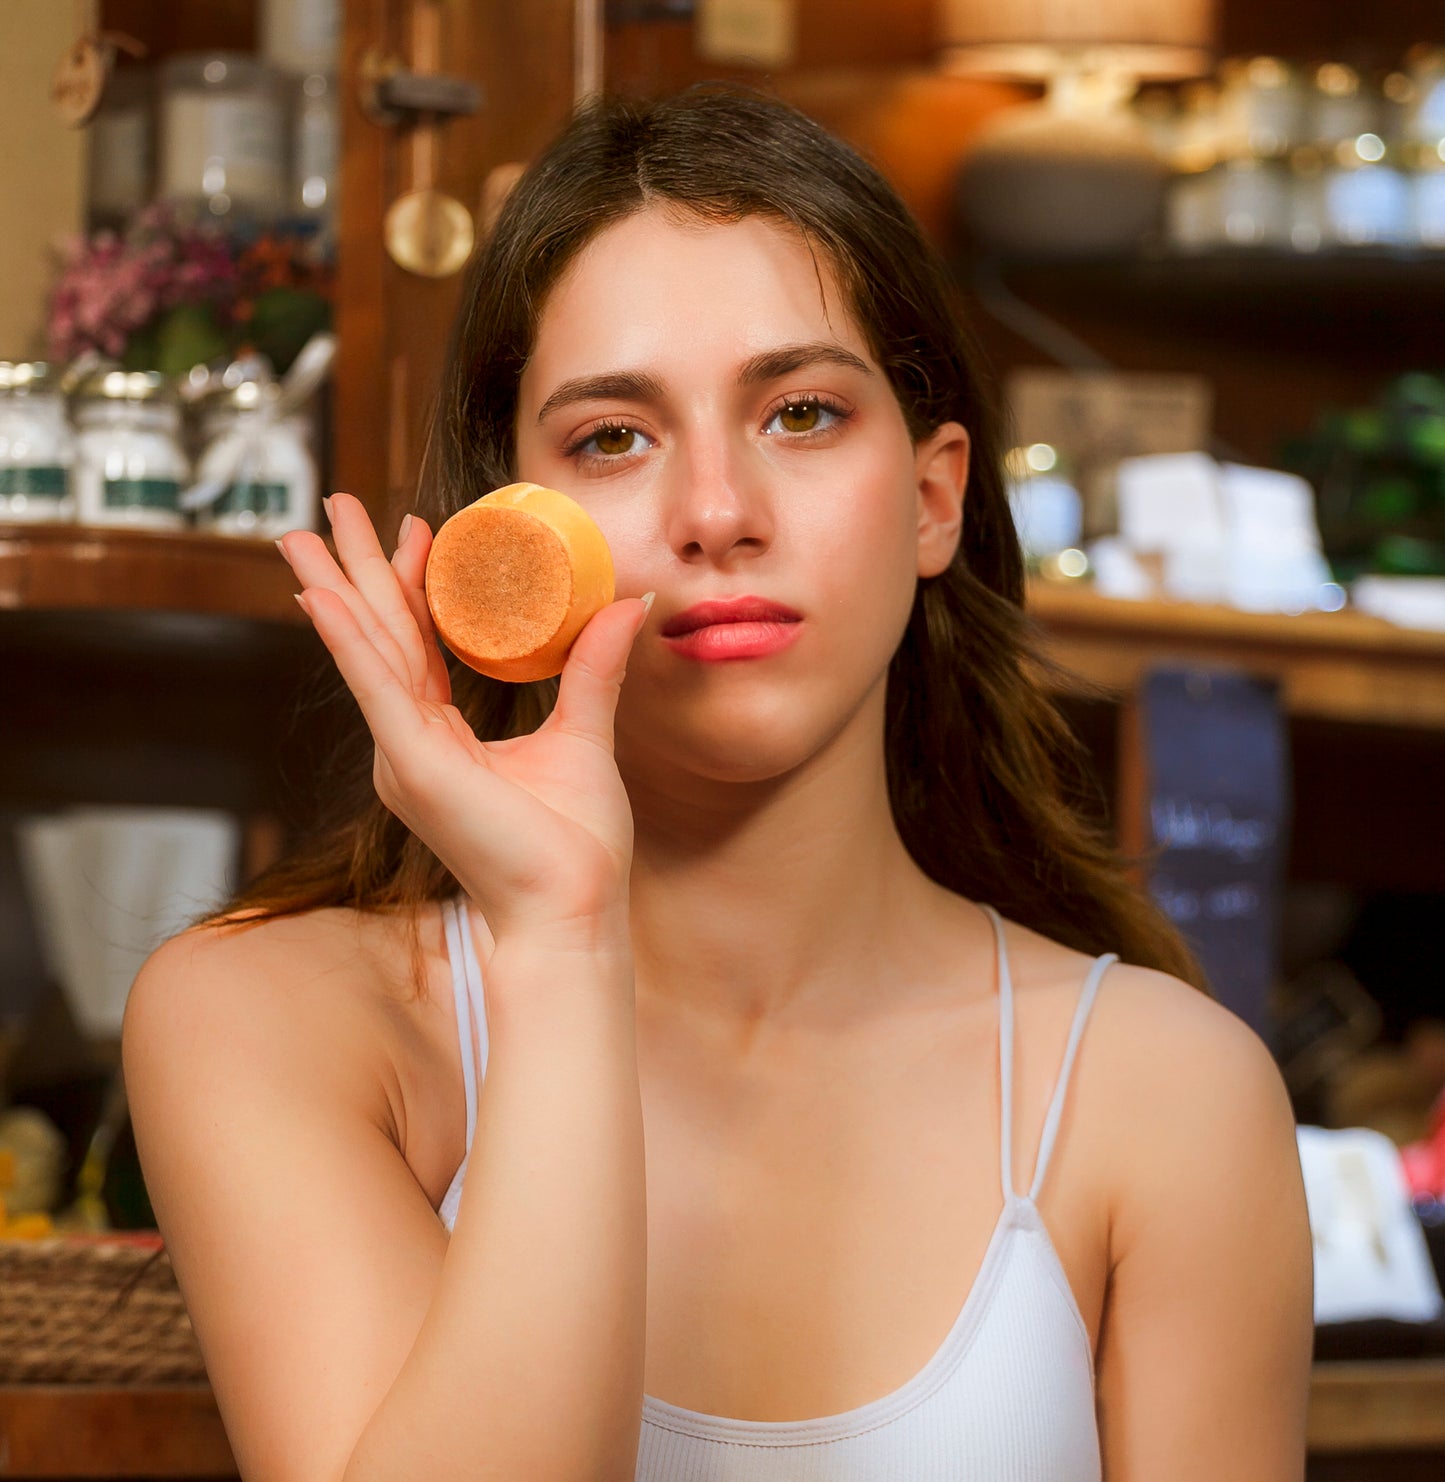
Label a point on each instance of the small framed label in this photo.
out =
(750, 33)
(79, 80)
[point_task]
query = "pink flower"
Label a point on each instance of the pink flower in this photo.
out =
(111, 285)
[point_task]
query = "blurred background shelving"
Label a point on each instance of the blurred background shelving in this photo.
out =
(168, 669)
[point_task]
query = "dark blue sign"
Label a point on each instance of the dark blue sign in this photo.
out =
(1217, 758)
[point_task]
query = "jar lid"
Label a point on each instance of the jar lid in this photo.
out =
(20, 377)
(110, 383)
(219, 70)
(245, 396)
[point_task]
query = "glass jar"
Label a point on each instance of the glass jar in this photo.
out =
(129, 467)
(314, 150)
(36, 447)
(1307, 214)
(301, 35)
(1191, 210)
(223, 134)
(1423, 133)
(1339, 106)
(1367, 197)
(119, 170)
(266, 468)
(1262, 107)
(1252, 199)
(1427, 186)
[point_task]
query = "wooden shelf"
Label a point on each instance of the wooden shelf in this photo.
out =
(1395, 1404)
(175, 1431)
(147, 667)
(92, 1430)
(76, 568)
(1342, 666)
(1392, 298)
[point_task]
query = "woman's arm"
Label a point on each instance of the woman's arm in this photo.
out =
(1204, 1356)
(344, 1336)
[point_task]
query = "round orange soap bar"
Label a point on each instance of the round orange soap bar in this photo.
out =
(514, 578)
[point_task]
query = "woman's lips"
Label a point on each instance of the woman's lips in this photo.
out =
(745, 627)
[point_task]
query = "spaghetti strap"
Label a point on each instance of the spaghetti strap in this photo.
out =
(458, 947)
(1005, 1055)
(1056, 1105)
(476, 997)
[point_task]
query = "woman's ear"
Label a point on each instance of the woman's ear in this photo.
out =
(941, 473)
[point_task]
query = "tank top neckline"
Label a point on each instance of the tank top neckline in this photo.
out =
(1018, 1215)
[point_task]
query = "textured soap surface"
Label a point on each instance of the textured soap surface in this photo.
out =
(514, 578)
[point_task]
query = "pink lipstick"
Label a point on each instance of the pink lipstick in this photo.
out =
(735, 628)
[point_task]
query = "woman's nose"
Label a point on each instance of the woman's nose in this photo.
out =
(718, 504)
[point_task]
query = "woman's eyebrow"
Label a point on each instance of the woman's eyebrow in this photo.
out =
(769, 365)
(786, 359)
(610, 386)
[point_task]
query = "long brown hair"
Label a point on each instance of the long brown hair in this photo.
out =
(982, 772)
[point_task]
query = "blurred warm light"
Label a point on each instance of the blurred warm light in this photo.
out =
(1029, 38)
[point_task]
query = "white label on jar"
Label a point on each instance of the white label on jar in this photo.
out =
(229, 146)
(1367, 206)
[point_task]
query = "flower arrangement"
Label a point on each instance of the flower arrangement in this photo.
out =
(170, 292)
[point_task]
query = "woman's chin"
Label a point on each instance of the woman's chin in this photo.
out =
(735, 752)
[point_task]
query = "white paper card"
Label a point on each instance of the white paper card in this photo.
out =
(1263, 504)
(1371, 1260)
(1170, 502)
(1406, 601)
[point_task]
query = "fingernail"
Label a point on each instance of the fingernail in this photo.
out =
(326, 505)
(404, 531)
(648, 599)
(301, 603)
(282, 549)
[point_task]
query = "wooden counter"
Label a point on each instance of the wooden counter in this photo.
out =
(1344, 666)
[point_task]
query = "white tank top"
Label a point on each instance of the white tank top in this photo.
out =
(1007, 1397)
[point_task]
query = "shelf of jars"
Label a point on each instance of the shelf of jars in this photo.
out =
(74, 568)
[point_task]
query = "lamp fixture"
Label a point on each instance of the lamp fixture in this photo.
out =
(1075, 172)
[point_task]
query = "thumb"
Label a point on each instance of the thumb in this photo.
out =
(592, 676)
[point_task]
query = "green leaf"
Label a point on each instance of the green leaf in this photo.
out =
(283, 320)
(183, 336)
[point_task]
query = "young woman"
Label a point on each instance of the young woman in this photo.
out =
(932, 1187)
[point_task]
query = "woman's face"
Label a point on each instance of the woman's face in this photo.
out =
(703, 392)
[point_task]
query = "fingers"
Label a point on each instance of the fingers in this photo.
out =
(408, 561)
(386, 700)
(381, 614)
(592, 679)
(374, 577)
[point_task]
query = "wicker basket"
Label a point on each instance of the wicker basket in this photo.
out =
(93, 1310)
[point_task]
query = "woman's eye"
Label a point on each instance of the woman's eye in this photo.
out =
(802, 417)
(613, 442)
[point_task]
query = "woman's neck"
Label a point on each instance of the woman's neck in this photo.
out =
(789, 902)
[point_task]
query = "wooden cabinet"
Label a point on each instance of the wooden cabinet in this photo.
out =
(147, 668)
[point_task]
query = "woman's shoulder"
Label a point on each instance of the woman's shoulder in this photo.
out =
(1166, 1068)
(324, 993)
(1145, 1017)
